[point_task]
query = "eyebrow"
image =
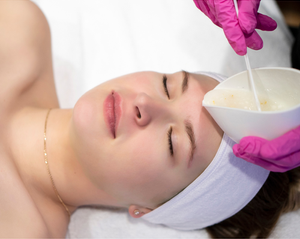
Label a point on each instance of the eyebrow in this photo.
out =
(190, 132)
(188, 125)
(185, 82)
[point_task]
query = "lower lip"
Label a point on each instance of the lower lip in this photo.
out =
(112, 112)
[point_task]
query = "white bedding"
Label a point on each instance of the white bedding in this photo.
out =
(96, 40)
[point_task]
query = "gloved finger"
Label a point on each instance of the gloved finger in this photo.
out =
(280, 165)
(261, 162)
(265, 23)
(247, 15)
(251, 153)
(284, 145)
(254, 41)
(236, 39)
(280, 147)
(229, 22)
(204, 6)
(283, 151)
(249, 146)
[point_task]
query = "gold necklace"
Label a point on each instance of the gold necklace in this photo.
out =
(46, 162)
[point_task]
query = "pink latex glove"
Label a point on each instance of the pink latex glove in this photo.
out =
(240, 31)
(277, 155)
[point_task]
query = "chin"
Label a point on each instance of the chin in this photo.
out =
(83, 115)
(87, 122)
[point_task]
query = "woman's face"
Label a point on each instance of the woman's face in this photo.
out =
(145, 136)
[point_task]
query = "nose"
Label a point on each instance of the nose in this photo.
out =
(147, 109)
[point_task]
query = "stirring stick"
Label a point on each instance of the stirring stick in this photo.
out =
(249, 67)
(252, 82)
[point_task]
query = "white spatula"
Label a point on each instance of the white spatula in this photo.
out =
(249, 68)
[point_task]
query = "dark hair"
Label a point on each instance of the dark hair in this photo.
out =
(279, 194)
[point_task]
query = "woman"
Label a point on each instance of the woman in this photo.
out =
(85, 156)
(27, 75)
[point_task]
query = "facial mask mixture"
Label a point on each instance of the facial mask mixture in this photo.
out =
(244, 99)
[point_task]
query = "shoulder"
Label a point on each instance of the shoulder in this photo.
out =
(24, 31)
(26, 74)
(21, 17)
(22, 23)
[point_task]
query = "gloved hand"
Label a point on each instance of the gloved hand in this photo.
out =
(240, 31)
(277, 155)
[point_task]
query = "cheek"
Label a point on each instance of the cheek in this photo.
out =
(136, 158)
(147, 179)
(136, 163)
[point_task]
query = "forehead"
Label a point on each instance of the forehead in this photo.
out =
(206, 132)
(191, 110)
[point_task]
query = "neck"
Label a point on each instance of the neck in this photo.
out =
(73, 186)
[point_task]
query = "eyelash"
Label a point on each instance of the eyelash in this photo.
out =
(170, 141)
(170, 130)
(165, 85)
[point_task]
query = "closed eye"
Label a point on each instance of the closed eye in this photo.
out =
(165, 85)
(170, 141)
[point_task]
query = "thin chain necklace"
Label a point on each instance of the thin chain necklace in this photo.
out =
(46, 162)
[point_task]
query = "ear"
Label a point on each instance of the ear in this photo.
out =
(137, 211)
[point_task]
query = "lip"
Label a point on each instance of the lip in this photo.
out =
(112, 112)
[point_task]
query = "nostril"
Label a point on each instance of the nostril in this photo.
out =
(138, 114)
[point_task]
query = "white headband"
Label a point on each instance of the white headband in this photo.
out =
(226, 186)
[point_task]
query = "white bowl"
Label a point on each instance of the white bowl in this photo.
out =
(238, 123)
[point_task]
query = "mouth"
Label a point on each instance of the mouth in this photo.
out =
(112, 112)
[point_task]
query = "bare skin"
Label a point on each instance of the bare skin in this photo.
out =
(26, 84)
(28, 204)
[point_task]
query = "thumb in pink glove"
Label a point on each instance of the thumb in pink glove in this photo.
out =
(277, 155)
(240, 31)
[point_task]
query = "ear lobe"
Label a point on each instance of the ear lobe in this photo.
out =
(137, 211)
